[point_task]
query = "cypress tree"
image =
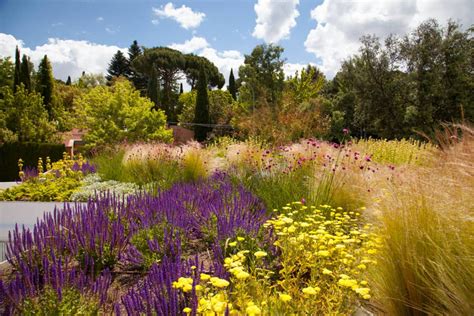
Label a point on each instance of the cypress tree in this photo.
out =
(68, 81)
(181, 88)
(16, 77)
(45, 84)
(118, 66)
(153, 90)
(25, 73)
(201, 114)
(232, 87)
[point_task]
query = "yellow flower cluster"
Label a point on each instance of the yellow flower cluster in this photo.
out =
(211, 292)
(324, 254)
(325, 249)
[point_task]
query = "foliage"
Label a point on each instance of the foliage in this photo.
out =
(118, 66)
(168, 63)
(221, 106)
(88, 81)
(25, 116)
(201, 110)
(138, 79)
(45, 83)
(119, 113)
(408, 85)
(261, 77)
(25, 72)
(305, 85)
(283, 125)
(16, 74)
(69, 302)
(7, 71)
(232, 87)
(153, 89)
(192, 68)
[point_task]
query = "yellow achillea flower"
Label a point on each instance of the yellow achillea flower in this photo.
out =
(311, 290)
(217, 282)
(242, 275)
(187, 310)
(252, 309)
(347, 282)
(327, 271)
(285, 297)
(233, 244)
(205, 276)
(364, 292)
(260, 254)
(323, 253)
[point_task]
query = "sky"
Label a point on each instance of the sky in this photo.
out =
(83, 35)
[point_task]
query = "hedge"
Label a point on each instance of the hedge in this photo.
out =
(29, 153)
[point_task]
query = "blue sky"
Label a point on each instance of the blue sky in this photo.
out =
(82, 35)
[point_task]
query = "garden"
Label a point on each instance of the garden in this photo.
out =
(245, 228)
(297, 194)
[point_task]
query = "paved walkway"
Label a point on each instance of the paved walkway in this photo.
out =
(6, 185)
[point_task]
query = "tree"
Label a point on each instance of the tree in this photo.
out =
(25, 116)
(118, 66)
(45, 83)
(138, 79)
(68, 81)
(181, 88)
(169, 64)
(232, 88)
(221, 106)
(305, 85)
(262, 76)
(439, 63)
(193, 66)
(7, 71)
(201, 115)
(25, 73)
(118, 113)
(153, 90)
(16, 77)
(87, 81)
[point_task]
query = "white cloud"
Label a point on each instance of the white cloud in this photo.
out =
(184, 15)
(275, 19)
(341, 23)
(291, 68)
(68, 57)
(224, 60)
(194, 44)
(99, 19)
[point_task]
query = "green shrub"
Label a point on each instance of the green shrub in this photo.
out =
(72, 302)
